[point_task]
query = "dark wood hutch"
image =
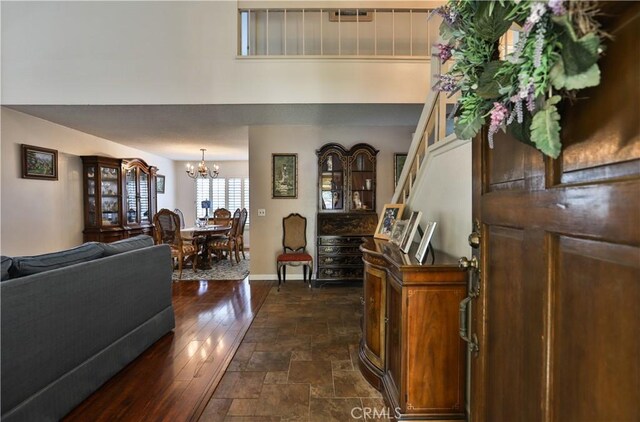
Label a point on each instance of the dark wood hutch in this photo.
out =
(119, 198)
(346, 210)
(410, 348)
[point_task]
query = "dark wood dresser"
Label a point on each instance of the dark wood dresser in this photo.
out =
(410, 348)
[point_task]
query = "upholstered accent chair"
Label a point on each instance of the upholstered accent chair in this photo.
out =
(294, 247)
(229, 243)
(167, 231)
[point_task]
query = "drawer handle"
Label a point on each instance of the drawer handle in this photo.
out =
(329, 249)
(328, 260)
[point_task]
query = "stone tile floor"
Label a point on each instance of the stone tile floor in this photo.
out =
(298, 361)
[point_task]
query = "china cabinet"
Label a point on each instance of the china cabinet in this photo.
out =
(119, 198)
(346, 209)
(410, 348)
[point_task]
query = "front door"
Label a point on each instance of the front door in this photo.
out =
(557, 318)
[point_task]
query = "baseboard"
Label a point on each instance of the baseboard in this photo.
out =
(268, 277)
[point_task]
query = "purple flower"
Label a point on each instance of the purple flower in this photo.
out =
(444, 52)
(539, 45)
(499, 114)
(531, 99)
(446, 83)
(448, 14)
(537, 11)
(557, 7)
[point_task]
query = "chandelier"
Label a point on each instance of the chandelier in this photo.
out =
(202, 170)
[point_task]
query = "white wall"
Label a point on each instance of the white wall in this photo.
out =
(266, 232)
(173, 53)
(39, 216)
(442, 192)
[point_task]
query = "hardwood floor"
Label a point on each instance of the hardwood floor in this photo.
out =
(174, 379)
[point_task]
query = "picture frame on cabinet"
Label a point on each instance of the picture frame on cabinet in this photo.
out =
(390, 213)
(39, 163)
(398, 231)
(284, 176)
(412, 228)
(160, 181)
(421, 253)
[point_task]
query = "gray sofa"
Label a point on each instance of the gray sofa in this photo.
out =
(67, 330)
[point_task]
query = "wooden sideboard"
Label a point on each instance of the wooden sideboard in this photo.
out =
(410, 348)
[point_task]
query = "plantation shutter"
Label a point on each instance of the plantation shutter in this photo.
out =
(218, 194)
(234, 189)
(202, 194)
(246, 196)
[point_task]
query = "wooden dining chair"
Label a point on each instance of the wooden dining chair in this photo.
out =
(294, 247)
(167, 231)
(240, 236)
(222, 216)
(228, 244)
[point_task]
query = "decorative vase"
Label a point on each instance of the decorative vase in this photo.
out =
(367, 184)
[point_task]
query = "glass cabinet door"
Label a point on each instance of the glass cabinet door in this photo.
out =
(144, 198)
(362, 182)
(109, 196)
(132, 202)
(91, 196)
(332, 183)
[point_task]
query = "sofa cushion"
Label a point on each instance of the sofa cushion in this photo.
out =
(27, 265)
(126, 245)
(6, 263)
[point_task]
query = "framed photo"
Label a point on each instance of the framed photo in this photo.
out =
(39, 163)
(284, 176)
(160, 183)
(390, 213)
(421, 253)
(398, 231)
(412, 228)
(398, 165)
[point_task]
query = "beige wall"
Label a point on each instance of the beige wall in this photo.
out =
(442, 192)
(174, 52)
(266, 232)
(39, 216)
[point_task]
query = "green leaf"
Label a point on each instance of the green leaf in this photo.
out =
(488, 84)
(467, 129)
(522, 131)
(545, 128)
(579, 56)
(446, 32)
(490, 20)
(587, 79)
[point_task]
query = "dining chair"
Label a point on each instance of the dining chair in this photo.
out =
(222, 216)
(228, 243)
(167, 231)
(240, 236)
(294, 247)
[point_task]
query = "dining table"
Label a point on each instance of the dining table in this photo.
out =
(208, 233)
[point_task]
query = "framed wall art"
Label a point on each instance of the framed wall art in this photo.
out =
(39, 163)
(390, 213)
(398, 165)
(160, 183)
(284, 176)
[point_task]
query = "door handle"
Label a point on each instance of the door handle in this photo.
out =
(472, 342)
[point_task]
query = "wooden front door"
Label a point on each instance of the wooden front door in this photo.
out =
(557, 318)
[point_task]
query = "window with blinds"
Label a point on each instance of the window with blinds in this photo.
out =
(230, 193)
